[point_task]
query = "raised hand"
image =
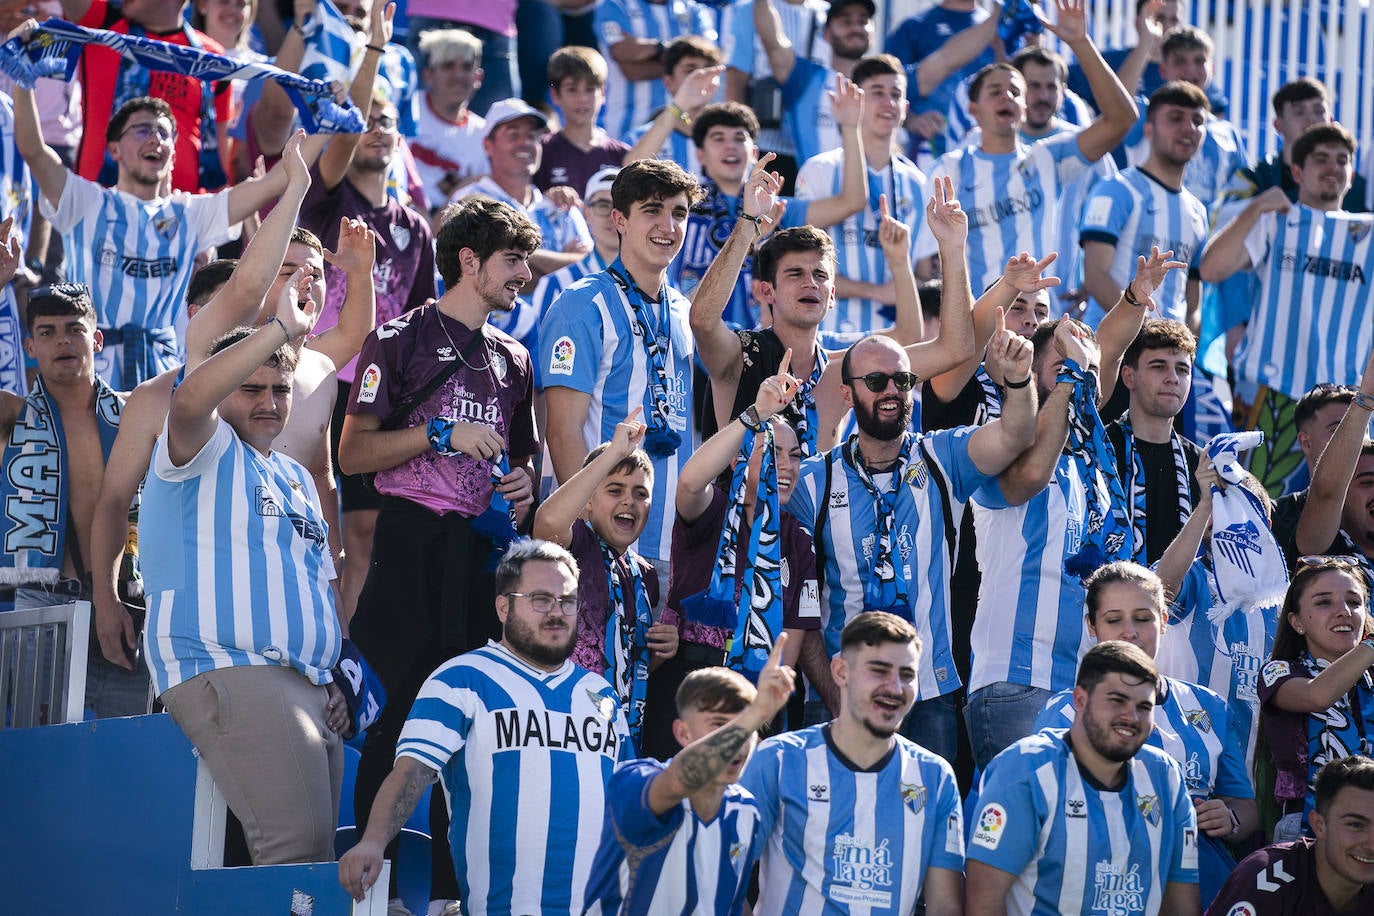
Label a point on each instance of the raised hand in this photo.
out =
(1074, 343)
(698, 89)
(776, 682)
(1272, 200)
(948, 222)
(1071, 20)
(629, 433)
(297, 172)
(380, 25)
(777, 392)
(357, 248)
(847, 102)
(1023, 273)
(762, 193)
(1147, 25)
(295, 306)
(563, 197)
(893, 234)
(1150, 273)
(1009, 354)
(11, 252)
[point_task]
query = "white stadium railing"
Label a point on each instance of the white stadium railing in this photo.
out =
(43, 664)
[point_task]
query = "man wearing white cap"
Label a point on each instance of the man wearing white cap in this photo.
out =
(511, 141)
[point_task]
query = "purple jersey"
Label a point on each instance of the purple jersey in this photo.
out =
(593, 595)
(694, 559)
(403, 273)
(566, 163)
(401, 357)
(1281, 880)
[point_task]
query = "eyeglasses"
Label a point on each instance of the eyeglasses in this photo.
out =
(382, 122)
(600, 207)
(877, 381)
(544, 603)
(141, 132)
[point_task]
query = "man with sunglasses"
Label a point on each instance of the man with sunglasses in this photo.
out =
(882, 507)
(524, 741)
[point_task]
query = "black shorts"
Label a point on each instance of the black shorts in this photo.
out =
(355, 492)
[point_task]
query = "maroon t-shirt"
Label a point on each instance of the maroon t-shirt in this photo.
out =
(594, 595)
(401, 357)
(694, 560)
(565, 163)
(403, 273)
(1281, 880)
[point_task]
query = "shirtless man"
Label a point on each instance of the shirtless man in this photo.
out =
(277, 254)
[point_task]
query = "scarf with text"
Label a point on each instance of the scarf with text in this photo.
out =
(626, 648)
(1247, 563)
(1136, 496)
(886, 588)
(661, 441)
(1106, 529)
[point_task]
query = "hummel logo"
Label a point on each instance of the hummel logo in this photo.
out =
(819, 793)
(445, 354)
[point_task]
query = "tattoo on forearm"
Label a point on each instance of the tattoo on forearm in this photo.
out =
(407, 798)
(702, 762)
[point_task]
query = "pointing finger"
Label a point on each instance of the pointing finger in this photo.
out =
(775, 657)
(786, 362)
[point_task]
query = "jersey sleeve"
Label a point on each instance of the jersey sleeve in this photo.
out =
(1258, 241)
(815, 178)
(208, 215)
(742, 35)
(760, 779)
(570, 343)
(627, 805)
(1241, 893)
(1232, 778)
(1068, 158)
(1006, 829)
(801, 505)
(220, 441)
(1183, 865)
(1058, 712)
(794, 212)
(80, 198)
(948, 848)
(950, 447)
(1105, 213)
(612, 24)
(1274, 675)
(377, 386)
(440, 718)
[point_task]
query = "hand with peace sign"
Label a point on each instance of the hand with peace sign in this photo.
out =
(947, 221)
(777, 391)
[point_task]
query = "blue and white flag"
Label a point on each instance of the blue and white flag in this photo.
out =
(329, 45)
(54, 49)
(1249, 566)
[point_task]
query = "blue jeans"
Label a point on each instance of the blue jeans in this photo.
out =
(500, 79)
(934, 725)
(999, 715)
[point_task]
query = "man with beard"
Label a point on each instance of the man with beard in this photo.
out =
(1147, 205)
(1331, 874)
(525, 742)
(1088, 818)
(853, 814)
(443, 412)
(882, 508)
(1311, 320)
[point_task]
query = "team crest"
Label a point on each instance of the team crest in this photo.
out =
(498, 366)
(1149, 808)
(605, 706)
(400, 235)
(914, 796)
(918, 474)
(1359, 228)
(736, 854)
(1198, 718)
(165, 226)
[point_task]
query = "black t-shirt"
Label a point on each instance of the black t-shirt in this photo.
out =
(763, 354)
(1162, 522)
(974, 404)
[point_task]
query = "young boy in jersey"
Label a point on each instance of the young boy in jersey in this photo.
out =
(687, 830)
(598, 515)
(578, 150)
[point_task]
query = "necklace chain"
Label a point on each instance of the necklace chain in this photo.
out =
(459, 353)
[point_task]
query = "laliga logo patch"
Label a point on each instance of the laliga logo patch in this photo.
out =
(561, 360)
(914, 796)
(992, 820)
(1271, 672)
(1237, 541)
(368, 385)
(1149, 808)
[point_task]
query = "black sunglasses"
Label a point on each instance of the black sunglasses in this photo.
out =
(877, 381)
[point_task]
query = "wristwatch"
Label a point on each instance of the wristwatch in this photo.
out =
(751, 419)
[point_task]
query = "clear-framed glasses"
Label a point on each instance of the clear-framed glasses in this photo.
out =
(142, 132)
(544, 602)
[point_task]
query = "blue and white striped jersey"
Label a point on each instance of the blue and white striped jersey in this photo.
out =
(1074, 847)
(1222, 153)
(679, 148)
(858, 253)
(1193, 726)
(236, 564)
(524, 755)
(939, 480)
(1012, 201)
(806, 114)
(629, 103)
(674, 863)
(1225, 656)
(1029, 628)
(1132, 211)
(802, 23)
(590, 342)
(136, 256)
(838, 840)
(558, 228)
(1312, 321)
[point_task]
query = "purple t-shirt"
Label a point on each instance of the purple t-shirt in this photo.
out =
(401, 357)
(694, 559)
(403, 273)
(594, 595)
(564, 162)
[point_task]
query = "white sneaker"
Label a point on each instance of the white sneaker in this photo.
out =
(397, 907)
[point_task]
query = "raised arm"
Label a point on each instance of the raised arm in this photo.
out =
(240, 299)
(1320, 521)
(767, 25)
(1119, 112)
(958, 50)
(995, 445)
(43, 160)
(717, 452)
(338, 152)
(847, 103)
(554, 519)
(695, 93)
(396, 800)
(954, 344)
(194, 411)
(1119, 327)
(357, 251)
(1149, 34)
(1029, 474)
(1225, 254)
(1318, 694)
(698, 764)
(1178, 557)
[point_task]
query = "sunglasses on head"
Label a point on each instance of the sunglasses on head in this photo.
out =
(1320, 561)
(877, 381)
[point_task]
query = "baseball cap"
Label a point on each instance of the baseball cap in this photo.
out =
(511, 110)
(837, 5)
(601, 181)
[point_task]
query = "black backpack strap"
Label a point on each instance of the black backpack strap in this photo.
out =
(398, 416)
(822, 516)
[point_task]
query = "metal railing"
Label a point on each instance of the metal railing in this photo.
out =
(43, 664)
